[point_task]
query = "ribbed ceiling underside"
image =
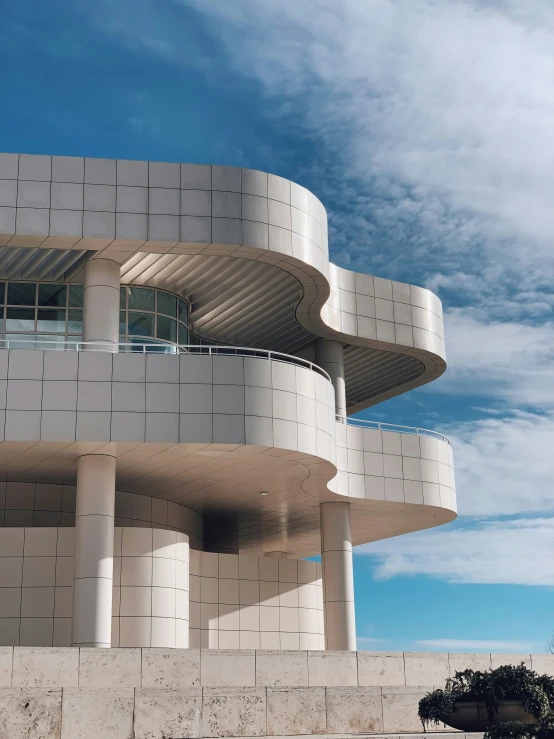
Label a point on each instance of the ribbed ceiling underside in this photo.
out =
(235, 301)
(370, 372)
(29, 263)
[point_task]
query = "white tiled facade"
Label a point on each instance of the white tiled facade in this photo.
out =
(249, 602)
(180, 489)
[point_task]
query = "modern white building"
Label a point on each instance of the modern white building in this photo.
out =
(179, 362)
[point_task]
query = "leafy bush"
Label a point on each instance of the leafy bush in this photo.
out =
(536, 692)
(509, 730)
(545, 727)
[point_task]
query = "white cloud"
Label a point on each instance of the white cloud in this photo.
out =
(475, 645)
(443, 109)
(504, 465)
(506, 360)
(497, 551)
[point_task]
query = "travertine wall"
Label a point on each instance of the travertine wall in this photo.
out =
(157, 693)
(249, 602)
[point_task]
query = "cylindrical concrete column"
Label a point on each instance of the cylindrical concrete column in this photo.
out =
(330, 357)
(338, 576)
(94, 534)
(101, 305)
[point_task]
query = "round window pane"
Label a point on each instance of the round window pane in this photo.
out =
(20, 319)
(52, 295)
(167, 329)
(22, 293)
(141, 324)
(76, 296)
(141, 298)
(52, 321)
(167, 304)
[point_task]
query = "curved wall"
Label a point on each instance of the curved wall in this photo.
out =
(29, 504)
(236, 601)
(150, 592)
(395, 467)
(104, 397)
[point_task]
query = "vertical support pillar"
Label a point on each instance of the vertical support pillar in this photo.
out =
(338, 576)
(330, 357)
(101, 305)
(94, 534)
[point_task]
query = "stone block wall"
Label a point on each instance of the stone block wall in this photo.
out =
(70, 693)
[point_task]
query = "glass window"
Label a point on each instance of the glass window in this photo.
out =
(167, 329)
(75, 322)
(20, 319)
(141, 324)
(49, 342)
(122, 297)
(183, 334)
(122, 324)
(141, 298)
(52, 321)
(53, 295)
(167, 304)
(183, 311)
(2, 292)
(76, 296)
(22, 293)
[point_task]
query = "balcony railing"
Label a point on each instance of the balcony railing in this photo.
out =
(362, 423)
(133, 348)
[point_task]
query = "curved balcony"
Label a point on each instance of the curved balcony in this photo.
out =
(161, 348)
(414, 430)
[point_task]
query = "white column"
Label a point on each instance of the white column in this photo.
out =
(94, 533)
(330, 357)
(101, 304)
(338, 576)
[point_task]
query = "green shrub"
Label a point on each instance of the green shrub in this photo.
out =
(536, 692)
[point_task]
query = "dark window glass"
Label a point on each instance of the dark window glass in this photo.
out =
(52, 321)
(75, 322)
(141, 324)
(53, 295)
(140, 298)
(122, 296)
(2, 291)
(167, 329)
(122, 324)
(20, 319)
(183, 311)
(75, 296)
(22, 293)
(167, 304)
(184, 335)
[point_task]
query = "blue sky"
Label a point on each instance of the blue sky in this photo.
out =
(426, 129)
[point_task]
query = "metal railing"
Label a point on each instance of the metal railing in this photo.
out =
(132, 348)
(363, 423)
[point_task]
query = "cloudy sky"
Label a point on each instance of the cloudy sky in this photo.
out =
(425, 126)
